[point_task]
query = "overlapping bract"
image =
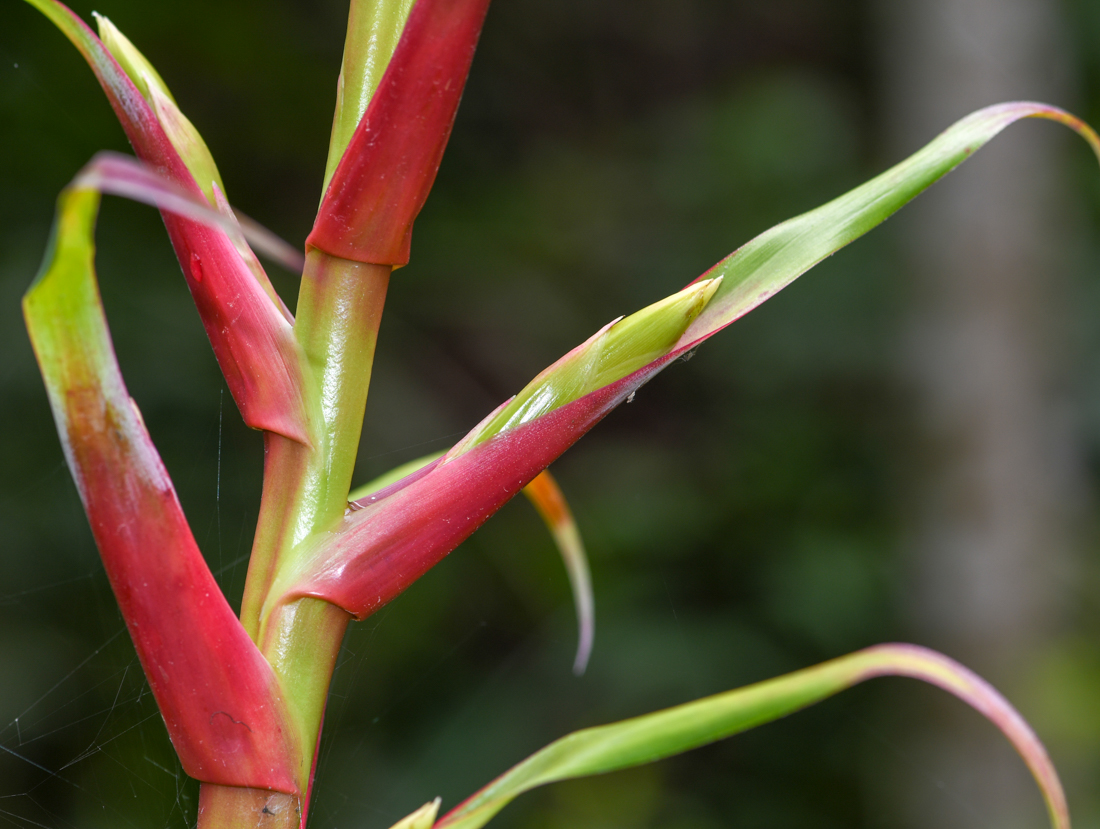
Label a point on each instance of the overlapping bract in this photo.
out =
(218, 695)
(248, 328)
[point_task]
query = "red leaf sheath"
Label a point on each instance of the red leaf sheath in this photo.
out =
(386, 546)
(252, 339)
(219, 698)
(388, 168)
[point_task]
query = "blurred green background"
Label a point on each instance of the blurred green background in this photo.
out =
(753, 511)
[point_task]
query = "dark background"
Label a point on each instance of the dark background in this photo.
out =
(750, 513)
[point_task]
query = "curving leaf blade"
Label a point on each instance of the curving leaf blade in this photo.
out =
(219, 697)
(675, 730)
(548, 499)
(774, 259)
(384, 548)
(122, 175)
(248, 326)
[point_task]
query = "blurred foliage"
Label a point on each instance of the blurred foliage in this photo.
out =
(742, 514)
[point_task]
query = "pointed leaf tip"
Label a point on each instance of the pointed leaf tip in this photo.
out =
(180, 131)
(546, 496)
(617, 350)
(675, 730)
(422, 818)
(765, 265)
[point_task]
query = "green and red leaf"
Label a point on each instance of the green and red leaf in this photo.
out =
(550, 503)
(374, 30)
(219, 698)
(248, 327)
(408, 527)
(675, 730)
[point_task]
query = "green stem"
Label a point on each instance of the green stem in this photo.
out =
(305, 493)
(306, 487)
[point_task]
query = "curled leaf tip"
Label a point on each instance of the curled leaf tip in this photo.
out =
(122, 175)
(936, 669)
(675, 730)
(546, 496)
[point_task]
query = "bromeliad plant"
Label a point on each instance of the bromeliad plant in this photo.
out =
(244, 698)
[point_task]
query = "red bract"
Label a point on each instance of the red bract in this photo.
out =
(384, 176)
(252, 337)
(219, 697)
(384, 547)
(244, 701)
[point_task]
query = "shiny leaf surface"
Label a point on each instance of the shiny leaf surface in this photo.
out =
(384, 176)
(219, 698)
(675, 730)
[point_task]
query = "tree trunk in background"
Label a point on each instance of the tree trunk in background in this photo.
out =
(995, 456)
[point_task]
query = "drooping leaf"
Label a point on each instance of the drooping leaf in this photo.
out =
(384, 175)
(248, 326)
(384, 548)
(547, 497)
(123, 175)
(219, 697)
(675, 730)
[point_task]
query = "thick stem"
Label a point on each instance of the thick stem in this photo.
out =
(229, 807)
(305, 492)
(306, 487)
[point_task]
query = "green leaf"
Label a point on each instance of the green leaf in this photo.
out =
(123, 175)
(675, 730)
(615, 351)
(775, 258)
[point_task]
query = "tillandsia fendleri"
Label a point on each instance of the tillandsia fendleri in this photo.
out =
(243, 697)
